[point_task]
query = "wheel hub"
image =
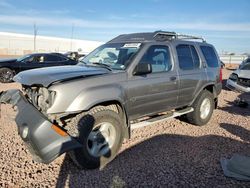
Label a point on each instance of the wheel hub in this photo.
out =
(101, 139)
(205, 108)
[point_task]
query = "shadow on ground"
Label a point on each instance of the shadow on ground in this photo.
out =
(165, 160)
(233, 108)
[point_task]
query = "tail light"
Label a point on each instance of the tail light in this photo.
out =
(220, 74)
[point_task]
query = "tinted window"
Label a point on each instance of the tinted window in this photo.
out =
(210, 56)
(29, 59)
(40, 58)
(159, 57)
(52, 58)
(188, 57)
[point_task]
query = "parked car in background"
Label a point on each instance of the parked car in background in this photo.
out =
(106, 56)
(240, 79)
(10, 67)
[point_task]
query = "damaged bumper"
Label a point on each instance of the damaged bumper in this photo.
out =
(233, 85)
(44, 140)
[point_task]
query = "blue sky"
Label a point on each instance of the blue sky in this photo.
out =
(224, 23)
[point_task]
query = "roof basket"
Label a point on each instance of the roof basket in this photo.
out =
(165, 35)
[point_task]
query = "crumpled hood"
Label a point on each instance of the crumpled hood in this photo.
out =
(46, 76)
(243, 73)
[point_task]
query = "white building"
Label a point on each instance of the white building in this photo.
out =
(20, 44)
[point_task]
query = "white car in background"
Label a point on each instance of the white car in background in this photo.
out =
(107, 56)
(240, 79)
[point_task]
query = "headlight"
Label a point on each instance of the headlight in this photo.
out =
(41, 97)
(233, 77)
(45, 98)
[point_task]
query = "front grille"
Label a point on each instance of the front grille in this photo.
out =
(244, 82)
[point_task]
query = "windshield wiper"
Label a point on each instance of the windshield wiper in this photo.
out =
(103, 65)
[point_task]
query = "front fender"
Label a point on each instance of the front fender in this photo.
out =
(89, 98)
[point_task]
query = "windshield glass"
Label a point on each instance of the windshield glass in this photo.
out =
(246, 66)
(113, 55)
(23, 57)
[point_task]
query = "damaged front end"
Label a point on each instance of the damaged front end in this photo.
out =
(45, 140)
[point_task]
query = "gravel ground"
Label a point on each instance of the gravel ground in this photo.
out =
(169, 154)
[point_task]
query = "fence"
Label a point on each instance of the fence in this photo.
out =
(19, 44)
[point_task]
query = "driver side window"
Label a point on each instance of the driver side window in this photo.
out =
(159, 58)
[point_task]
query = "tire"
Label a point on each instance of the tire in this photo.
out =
(6, 75)
(97, 150)
(203, 109)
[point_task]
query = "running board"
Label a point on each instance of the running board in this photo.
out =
(161, 118)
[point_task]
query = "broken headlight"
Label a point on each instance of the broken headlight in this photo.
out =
(40, 97)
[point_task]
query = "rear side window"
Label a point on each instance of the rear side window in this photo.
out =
(188, 57)
(210, 56)
(52, 58)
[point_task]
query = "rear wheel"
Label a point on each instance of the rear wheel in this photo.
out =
(100, 131)
(6, 75)
(203, 109)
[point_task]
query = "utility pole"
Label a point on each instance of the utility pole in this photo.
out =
(72, 33)
(35, 34)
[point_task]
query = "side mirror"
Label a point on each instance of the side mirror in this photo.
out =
(142, 69)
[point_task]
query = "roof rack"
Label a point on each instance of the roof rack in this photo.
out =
(166, 35)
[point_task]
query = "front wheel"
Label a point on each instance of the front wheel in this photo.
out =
(6, 75)
(203, 109)
(100, 131)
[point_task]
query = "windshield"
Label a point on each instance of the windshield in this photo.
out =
(23, 57)
(114, 55)
(246, 66)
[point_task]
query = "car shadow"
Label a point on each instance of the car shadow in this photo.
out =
(236, 130)
(165, 160)
(237, 109)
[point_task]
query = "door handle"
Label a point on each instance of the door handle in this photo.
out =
(173, 78)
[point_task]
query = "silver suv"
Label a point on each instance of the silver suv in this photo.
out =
(131, 81)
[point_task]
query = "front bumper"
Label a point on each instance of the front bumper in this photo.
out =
(235, 86)
(44, 143)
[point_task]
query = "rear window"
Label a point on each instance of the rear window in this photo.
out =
(210, 56)
(188, 57)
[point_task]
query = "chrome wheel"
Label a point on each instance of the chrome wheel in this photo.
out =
(101, 139)
(205, 108)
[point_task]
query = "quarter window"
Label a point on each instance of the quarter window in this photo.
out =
(52, 58)
(187, 57)
(210, 56)
(159, 57)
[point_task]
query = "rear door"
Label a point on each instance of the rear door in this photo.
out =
(191, 72)
(157, 91)
(212, 65)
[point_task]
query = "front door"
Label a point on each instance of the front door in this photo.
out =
(157, 91)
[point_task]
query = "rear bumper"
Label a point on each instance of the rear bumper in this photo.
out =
(44, 143)
(234, 86)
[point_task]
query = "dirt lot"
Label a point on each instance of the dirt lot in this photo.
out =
(172, 153)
